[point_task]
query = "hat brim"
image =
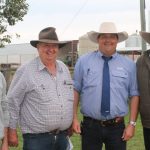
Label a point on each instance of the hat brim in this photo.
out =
(122, 36)
(60, 43)
(145, 36)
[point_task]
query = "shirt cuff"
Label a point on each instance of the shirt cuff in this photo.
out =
(12, 123)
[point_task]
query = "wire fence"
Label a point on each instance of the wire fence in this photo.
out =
(20, 59)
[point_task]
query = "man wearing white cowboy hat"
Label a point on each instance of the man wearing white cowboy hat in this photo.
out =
(106, 83)
(143, 74)
(41, 98)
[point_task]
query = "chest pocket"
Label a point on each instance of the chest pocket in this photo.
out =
(119, 78)
(68, 89)
(42, 91)
(91, 79)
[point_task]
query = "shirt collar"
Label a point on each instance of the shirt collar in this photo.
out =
(41, 66)
(59, 67)
(100, 54)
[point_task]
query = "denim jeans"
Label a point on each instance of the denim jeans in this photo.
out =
(45, 141)
(146, 132)
(94, 136)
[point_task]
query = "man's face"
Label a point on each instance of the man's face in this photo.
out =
(108, 43)
(47, 52)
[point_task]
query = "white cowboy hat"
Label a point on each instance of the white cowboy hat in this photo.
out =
(145, 36)
(107, 27)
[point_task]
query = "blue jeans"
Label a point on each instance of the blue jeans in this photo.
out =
(45, 141)
(95, 135)
(146, 132)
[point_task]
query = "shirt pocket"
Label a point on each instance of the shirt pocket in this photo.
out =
(119, 78)
(41, 91)
(91, 79)
(67, 89)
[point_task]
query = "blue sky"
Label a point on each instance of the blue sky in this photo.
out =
(73, 19)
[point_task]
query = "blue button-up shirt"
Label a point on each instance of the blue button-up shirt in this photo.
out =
(88, 83)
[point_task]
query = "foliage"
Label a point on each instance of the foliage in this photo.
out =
(11, 11)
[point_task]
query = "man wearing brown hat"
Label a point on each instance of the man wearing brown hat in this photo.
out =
(143, 72)
(41, 98)
(106, 83)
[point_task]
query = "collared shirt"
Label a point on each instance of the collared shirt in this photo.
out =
(88, 83)
(40, 102)
(4, 116)
(143, 75)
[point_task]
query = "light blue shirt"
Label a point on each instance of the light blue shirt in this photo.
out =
(88, 83)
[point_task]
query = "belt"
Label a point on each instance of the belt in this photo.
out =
(57, 131)
(105, 123)
(53, 132)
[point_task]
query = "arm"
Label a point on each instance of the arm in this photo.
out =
(4, 141)
(130, 129)
(5, 114)
(12, 137)
(78, 77)
(15, 97)
(76, 124)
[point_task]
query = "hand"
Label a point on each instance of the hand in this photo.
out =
(76, 126)
(4, 146)
(12, 137)
(128, 132)
(70, 131)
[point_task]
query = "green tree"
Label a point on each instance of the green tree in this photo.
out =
(11, 11)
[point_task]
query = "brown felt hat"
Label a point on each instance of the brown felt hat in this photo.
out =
(48, 35)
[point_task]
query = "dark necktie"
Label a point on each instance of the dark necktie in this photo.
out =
(105, 101)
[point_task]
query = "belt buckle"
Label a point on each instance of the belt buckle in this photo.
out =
(55, 132)
(103, 123)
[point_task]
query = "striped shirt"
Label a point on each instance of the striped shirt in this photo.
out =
(4, 116)
(38, 101)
